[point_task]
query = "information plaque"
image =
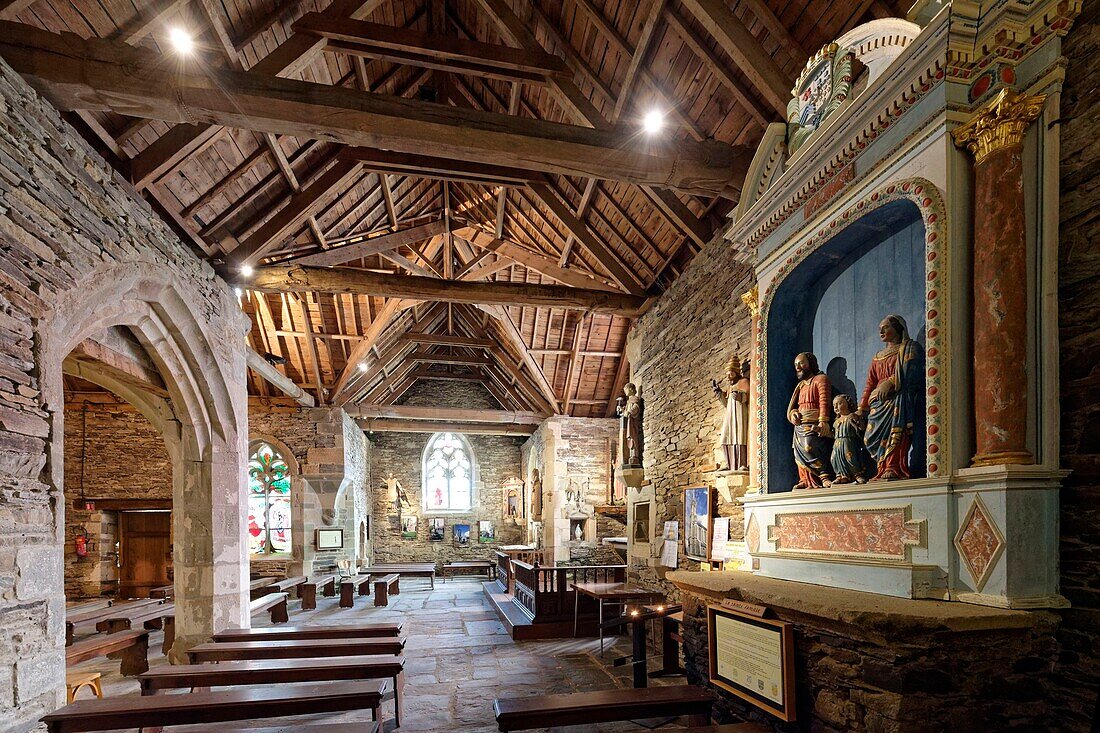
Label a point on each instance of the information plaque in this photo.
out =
(753, 658)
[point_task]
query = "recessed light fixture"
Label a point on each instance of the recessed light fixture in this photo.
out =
(238, 292)
(362, 367)
(181, 40)
(247, 270)
(653, 121)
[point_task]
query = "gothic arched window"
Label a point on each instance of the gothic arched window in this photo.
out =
(448, 474)
(268, 501)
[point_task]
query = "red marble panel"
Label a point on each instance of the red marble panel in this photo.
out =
(979, 543)
(873, 533)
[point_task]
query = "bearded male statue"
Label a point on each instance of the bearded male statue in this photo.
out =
(810, 412)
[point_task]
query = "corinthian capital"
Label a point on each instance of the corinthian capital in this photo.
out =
(1001, 123)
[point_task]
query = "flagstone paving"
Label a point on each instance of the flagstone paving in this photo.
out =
(458, 659)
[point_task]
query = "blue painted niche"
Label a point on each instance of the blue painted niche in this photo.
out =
(831, 304)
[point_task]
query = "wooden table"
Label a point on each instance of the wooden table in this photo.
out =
(614, 593)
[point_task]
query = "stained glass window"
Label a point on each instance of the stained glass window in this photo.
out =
(268, 501)
(448, 474)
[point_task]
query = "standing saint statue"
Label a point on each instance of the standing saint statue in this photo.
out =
(536, 495)
(890, 399)
(850, 460)
(396, 493)
(628, 407)
(732, 453)
(810, 411)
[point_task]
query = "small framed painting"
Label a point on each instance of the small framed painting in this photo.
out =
(408, 528)
(436, 527)
(641, 521)
(462, 535)
(329, 539)
(697, 523)
(485, 531)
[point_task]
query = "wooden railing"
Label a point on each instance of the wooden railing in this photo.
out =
(545, 593)
(505, 558)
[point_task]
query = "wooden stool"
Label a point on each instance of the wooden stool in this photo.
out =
(75, 680)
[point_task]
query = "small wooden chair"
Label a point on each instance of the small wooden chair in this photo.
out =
(74, 680)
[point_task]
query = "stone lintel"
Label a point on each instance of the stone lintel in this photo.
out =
(870, 611)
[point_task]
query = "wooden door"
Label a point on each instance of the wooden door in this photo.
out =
(145, 549)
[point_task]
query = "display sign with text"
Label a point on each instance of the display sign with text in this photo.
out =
(753, 658)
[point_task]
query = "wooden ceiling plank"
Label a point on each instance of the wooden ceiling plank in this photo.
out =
(678, 214)
(382, 319)
(747, 52)
(311, 341)
(778, 30)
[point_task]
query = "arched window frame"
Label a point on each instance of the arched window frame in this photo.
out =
(427, 458)
(283, 454)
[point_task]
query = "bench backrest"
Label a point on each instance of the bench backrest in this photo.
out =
(102, 645)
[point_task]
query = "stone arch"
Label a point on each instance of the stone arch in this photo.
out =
(203, 421)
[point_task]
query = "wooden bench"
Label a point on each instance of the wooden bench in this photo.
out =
(217, 707)
(131, 647)
(273, 602)
(223, 651)
(349, 585)
(307, 592)
(76, 679)
(262, 672)
(165, 591)
(477, 566)
(160, 616)
(581, 708)
(276, 633)
(411, 570)
(258, 586)
(286, 584)
(86, 621)
(363, 727)
(384, 586)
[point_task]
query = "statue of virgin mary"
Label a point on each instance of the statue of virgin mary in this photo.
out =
(891, 398)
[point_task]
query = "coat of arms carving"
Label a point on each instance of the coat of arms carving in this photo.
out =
(820, 90)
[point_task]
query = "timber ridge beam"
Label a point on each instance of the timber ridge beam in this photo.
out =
(98, 75)
(385, 425)
(284, 279)
(446, 414)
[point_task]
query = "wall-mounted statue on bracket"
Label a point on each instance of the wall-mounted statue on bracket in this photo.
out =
(732, 453)
(810, 412)
(850, 460)
(396, 493)
(536, 495)
(891, 398)
(629, 406)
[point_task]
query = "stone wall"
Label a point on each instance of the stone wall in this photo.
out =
(81, 252)
(573, 457)
(882, 664)
(1077, 675)
(117, 454)
(328, 485)
(675, 350)
(497, 458)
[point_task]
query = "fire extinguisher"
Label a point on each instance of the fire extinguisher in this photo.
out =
(81, 545)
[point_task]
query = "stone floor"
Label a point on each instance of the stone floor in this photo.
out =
(458, 659)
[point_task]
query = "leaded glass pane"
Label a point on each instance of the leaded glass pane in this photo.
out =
(269, 516)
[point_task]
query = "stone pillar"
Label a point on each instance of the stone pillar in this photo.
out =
(995, 138)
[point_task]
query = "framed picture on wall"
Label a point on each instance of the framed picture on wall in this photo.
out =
(486, 532)
(329, 539)
(408, 528)
(697, 523)
(462, 535)
(641, 522)
(435, 529)
(753, 658)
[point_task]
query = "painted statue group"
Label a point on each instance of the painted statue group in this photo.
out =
(868, 442)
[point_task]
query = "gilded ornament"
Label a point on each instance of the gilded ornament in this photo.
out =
(999, 124)
(752, 300)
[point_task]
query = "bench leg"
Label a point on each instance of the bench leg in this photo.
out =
(330, 589)
(700, 719)
(135, 658)
(396, 587)
(169, 635)
(307, 592)
(364, 588)
(398, 697)
(381, 595)
(347, 595)
(119, 624)
(279, 613)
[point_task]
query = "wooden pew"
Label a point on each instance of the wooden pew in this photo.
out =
(217, 707)
(307, 592)
(583, 708)
(86, 621)
(384, 586)
(279, 671)
(131, 647)
(286, 584)
(161, 616)
(274, 633)
(357, 727)
(411, 569)
(349, 585)
(258, 586)
(91, 605)
(273, 602)
(165, 591)
(222, 651)
(463, 566)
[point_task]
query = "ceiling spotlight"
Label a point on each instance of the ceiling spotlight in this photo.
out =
(247, 270)
(362, 366)
(181, 40)
(238, 292)
(653, 121)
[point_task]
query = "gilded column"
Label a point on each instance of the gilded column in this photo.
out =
(995, 138)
